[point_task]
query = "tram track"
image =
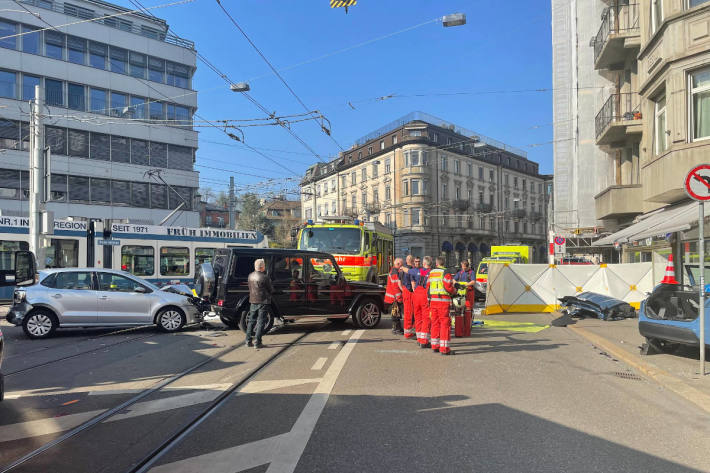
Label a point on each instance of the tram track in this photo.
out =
(165, 445)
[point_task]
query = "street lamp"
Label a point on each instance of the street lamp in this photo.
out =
(240, 87)
(455, 19)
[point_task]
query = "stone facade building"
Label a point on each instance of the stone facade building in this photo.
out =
(439, 187)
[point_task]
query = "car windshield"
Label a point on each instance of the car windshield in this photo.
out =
(483, 268)
(339, 241)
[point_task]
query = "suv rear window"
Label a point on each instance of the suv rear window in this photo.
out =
(244, 266)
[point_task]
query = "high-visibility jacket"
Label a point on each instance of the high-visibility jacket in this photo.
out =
(393, 291)
(440, 286)
(465, 277)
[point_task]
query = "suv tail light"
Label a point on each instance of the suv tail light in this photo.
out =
(220, 302)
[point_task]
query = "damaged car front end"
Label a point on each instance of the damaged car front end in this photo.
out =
(592, 304)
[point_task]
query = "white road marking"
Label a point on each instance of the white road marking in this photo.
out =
(282, 452)
(269, 385)
(54, 425)
(334, 346)
(346, 333)
(150, 342)
(39, 427)
(319, 364)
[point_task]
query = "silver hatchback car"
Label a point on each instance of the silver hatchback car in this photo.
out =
(97, 297)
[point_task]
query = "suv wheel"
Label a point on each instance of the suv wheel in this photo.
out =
(368, 314)
(40, 324)
(243, 320)
(229, 322)
(170, 319)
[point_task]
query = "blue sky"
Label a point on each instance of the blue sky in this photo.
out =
(505, 46)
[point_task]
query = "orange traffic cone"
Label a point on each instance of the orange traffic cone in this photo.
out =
(669, 277)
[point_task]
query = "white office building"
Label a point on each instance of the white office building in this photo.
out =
(118, 106)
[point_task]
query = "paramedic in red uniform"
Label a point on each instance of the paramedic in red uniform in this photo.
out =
(407, 298)
(440, 287)
(393, 295)
(421, 304)
(468, 277)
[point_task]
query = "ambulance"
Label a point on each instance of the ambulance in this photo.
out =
(511, 254)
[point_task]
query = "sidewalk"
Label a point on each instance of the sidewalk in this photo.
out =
(677, 371)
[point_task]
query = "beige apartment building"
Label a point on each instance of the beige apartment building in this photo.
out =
(655, 125)
(441, 188)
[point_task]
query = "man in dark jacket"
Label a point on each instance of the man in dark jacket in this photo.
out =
(260, 291)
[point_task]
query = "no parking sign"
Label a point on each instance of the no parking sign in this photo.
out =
(560, 245)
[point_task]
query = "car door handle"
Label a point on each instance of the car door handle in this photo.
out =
(103, 297)
(57, 296)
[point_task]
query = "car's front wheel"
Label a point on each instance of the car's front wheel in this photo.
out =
(170, 319)
(40, 324)
(368, 314)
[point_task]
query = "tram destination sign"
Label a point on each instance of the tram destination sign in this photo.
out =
(24, 222)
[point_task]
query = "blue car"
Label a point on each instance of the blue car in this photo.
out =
(669, 316)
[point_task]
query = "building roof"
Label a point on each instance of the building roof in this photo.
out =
(282, 204)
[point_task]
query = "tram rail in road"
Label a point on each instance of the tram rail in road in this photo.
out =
(105, 416)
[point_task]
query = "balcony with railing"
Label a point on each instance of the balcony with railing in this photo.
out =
(618, 119)
(483, 207)
(618, 35)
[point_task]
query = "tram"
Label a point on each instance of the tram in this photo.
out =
(159, 254)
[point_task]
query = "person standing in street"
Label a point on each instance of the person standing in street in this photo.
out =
(421, 304)
(260, 291)
(393, 295)
(468, 277)
(440, 288)
(408, 298)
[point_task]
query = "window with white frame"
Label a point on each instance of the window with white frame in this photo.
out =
(458, 192)
(457, 166)
(369, 150)
(375, 196)
(695, 3)
(470, 170)
(343, 181)
(353, 178)
(388, 193)
(415, 132)
(394, 139)
(470, 195)
(332, 185)
(319, 211)
(309, 214)
(434, 137)
(444, 162)
(415, 186)
(656, 14)
(333, 208)
(382, 144)
(353, 201)
(374, 170)
(388, 166)
(364, 198)
(388, 219)
(491, 175)
(444, 191)
(505, 179)
(363, 174)
(325, 188)
(405, 188)
(660, 136)
(700, 103)
(318, 190)
(480, 173)
(345, 204)
(415, 214)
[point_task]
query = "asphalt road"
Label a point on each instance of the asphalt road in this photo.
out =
(326, 397)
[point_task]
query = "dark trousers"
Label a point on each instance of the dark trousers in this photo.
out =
(257, 315)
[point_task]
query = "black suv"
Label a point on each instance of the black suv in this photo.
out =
(306, 284)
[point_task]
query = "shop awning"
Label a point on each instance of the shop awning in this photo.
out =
(657, 223)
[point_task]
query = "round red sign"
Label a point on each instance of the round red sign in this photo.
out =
(697, 182)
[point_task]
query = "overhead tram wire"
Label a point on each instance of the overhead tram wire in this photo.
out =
(273, 69)
(229, 81)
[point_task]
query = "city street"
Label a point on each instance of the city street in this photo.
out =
(328, 397)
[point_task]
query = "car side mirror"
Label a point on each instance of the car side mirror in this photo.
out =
(25, 270)
(140, 289)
